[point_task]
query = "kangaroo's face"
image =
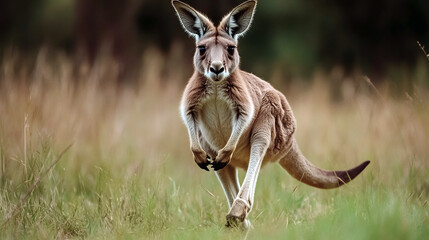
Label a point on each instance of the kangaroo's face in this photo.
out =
(216, 55)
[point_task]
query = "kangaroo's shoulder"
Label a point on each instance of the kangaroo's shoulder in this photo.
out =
(255, 81)
(264, 91)
(257, 86)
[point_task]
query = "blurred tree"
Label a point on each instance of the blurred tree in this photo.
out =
(294, 36)
(374, 34)
(29, 24)
(108, 24)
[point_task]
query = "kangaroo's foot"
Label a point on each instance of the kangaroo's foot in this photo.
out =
(236, 223)
(237, 214)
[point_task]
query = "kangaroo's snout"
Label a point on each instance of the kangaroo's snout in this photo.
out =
(217, 67)
(217, 71)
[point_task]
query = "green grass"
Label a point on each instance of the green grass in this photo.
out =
(162, 202)
(129, 173)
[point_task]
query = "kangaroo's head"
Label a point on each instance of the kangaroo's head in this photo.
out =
(216, 55)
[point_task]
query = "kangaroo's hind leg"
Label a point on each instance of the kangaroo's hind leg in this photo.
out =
(227, 176)
(229, 180)
(260, 141)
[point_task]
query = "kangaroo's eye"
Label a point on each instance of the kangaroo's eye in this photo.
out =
(230, 50)
(202, 50)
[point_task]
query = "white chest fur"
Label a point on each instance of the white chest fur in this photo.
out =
(216, 119)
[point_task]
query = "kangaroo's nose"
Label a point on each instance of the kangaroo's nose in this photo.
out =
(216, 67)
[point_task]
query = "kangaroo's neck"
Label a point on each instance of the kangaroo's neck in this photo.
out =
(211, 87)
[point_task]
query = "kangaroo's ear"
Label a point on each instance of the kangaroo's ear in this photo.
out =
(195, 23)
(238, 21)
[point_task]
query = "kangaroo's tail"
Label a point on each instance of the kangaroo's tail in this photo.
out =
(300, 168)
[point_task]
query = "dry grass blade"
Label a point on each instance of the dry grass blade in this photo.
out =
(339, 179)
(374, 88)
(211, 194)
(31, 189)
(256, 218)
(423, 49)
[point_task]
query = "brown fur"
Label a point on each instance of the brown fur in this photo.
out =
(236, 119)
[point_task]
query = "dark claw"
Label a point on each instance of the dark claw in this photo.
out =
(209, 160)
(218, 165)
(204, 166)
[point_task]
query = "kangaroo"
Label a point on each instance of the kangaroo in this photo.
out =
(237, 120)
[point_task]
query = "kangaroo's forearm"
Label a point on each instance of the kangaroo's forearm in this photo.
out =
(192, 131)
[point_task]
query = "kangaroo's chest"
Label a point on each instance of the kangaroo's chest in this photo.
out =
(215, 121)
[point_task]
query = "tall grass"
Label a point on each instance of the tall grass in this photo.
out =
(129, 172)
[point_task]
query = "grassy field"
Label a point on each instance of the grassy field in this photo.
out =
(129, 173)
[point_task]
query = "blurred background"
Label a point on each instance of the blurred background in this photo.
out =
(107, 76)
(288, 40)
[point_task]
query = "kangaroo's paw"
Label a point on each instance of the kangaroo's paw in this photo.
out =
(222, 159)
